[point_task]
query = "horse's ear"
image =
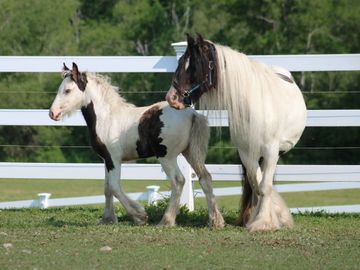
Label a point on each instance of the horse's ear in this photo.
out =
(190, 40)
(200, 40)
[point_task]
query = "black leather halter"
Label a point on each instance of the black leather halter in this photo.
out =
(195, 88)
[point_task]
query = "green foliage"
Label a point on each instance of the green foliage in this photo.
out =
(144, 27)
(198, 218)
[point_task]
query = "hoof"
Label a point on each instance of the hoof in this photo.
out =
(262, 226)
(217, 222)
(140, 219)
(287, 223)
(239, 222)
(166, 223)
(108, 220)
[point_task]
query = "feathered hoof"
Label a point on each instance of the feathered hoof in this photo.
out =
(287, 221)
(262, 226)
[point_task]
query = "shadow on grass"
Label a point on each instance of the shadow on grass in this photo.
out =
(185, 218)
(90, 216)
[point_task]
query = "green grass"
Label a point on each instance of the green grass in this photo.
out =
(24, 189)
(20, 189)
(68, 238)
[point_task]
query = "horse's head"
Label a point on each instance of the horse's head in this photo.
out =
(196, 73)
(70, 96)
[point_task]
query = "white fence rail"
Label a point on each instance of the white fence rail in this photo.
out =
(316, 118)
(137, 171)
(308, 62)
(349, 175)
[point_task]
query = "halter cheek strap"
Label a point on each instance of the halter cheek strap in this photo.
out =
(188, 94)
(196, 88)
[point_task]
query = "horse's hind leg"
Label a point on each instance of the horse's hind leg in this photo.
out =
(177, 182)
(251, 181)
(215, 218)
(248, 201)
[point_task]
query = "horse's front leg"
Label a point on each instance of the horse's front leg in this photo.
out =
(271, 212)
(133, 208)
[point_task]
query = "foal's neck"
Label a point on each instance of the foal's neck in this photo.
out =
(102, 103)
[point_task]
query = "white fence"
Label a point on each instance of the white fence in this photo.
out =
(332, 176)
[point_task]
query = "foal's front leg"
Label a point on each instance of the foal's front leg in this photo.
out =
(133, 208)
(177, 182)
(109, 216)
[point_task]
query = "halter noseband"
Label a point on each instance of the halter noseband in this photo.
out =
(195, 88)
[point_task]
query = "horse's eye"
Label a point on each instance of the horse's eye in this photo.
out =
(67, 91)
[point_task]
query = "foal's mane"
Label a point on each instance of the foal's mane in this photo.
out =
(109, 92)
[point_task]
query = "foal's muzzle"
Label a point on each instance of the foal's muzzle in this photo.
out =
(54, 115)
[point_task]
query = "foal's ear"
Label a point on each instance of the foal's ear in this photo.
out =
(78, 78)
(65, 70)
(75, 72)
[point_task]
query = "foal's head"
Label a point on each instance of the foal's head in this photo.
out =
(196, 73)
(70, 96)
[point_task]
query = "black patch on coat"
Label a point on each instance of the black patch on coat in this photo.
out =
(99, 147)
(285, 78)
(149, 143)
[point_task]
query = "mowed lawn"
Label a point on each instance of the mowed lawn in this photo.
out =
(23, 189)
(68, 238)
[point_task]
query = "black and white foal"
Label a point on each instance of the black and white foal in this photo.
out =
(119, 131)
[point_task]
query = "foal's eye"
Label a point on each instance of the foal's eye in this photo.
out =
(67, 91)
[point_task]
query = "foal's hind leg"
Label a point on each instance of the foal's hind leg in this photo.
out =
(216, 220)
(173, 172)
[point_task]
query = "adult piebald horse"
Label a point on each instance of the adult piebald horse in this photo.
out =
(119, 132)
(267, 116)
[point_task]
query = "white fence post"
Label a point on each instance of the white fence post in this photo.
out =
(187, 196)
(180, 48)
(44, 200)
(153, 195)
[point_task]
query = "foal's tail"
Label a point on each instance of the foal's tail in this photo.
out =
(199, 139)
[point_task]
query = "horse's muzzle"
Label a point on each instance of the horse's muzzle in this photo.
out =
(172, 97)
